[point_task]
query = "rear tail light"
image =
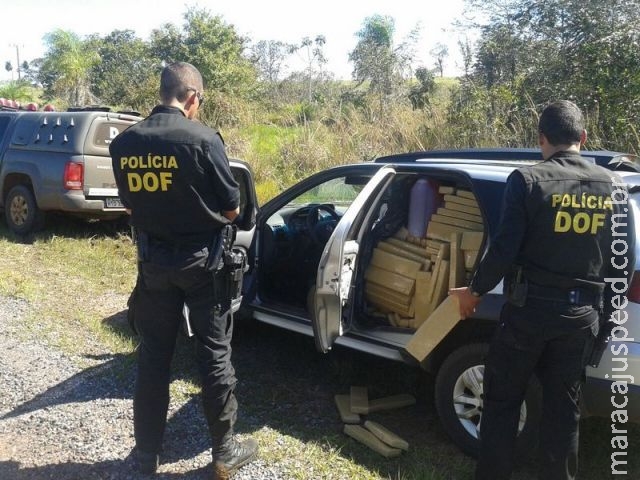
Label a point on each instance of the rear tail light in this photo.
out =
(73, 176)
(634, 289)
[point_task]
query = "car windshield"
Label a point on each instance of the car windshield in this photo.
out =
(336, 192)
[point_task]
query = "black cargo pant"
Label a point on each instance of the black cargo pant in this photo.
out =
(170, 278)
(554, 341)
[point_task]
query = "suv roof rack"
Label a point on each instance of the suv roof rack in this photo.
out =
(89, 108)
(466, 154)
(130, 112)
(605, 158)
(102, 108)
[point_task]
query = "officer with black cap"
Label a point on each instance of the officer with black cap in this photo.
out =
(553, 247)
(173, 176)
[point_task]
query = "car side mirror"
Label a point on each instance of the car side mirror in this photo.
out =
(627, 162)
(247, 218)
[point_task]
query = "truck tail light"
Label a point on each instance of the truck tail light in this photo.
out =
(634, 289)
(73, 176)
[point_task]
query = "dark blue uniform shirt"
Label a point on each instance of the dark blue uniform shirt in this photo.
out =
(560, 219)
(173, 173)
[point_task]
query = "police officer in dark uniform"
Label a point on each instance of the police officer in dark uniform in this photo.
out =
(554, 248)
(173, 176)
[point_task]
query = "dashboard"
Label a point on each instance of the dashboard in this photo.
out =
(293, 219)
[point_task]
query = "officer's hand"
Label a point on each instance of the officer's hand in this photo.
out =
(466, 301)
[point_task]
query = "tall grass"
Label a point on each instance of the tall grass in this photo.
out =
(287, 144)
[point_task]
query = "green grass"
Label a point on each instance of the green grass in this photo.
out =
(77, 278)
(267, 140)
(282, 151)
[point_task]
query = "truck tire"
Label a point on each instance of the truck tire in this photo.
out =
(458, 399)
(21, 211)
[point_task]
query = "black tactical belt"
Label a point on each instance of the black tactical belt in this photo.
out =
(177, 243)
(574, 296)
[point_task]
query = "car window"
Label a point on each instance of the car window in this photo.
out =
(4, 121)
(335, 191)
(107, 131)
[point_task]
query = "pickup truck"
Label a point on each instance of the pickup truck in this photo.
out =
(58, 161)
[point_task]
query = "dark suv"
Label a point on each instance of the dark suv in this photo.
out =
(333, 257)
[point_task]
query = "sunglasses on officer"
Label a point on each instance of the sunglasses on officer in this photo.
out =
(199, 96)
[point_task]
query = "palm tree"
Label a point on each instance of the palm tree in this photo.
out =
(17, 90)
(70, 59)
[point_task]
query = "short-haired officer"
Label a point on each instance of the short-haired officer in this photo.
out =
(554, 248)
(174, 177)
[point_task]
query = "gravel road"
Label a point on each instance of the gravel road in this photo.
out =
(70, 418)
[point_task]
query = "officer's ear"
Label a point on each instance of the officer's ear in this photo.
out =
(190, 106)
(583, 137)
(541, 139)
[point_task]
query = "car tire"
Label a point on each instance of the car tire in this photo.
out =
(21, 211)
(460, 376)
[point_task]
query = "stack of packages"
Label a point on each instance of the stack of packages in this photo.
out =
(372, 434)
(408, 277)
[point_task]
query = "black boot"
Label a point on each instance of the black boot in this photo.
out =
(232, 456)
(147, 462)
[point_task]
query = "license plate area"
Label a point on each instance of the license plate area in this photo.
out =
(113, 202)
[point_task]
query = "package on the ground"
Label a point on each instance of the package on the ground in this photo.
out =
(386, 435)
(359, 400)
(343, 402)
(367, 438)
(391, 402)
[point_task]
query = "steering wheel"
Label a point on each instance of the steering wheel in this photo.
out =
(321, 230)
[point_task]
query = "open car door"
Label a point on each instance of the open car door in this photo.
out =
(329, 317)
(246, 226)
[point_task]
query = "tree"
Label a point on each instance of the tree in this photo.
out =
(212, 46)
(530, 52)
(167, 44)
(378, 61)
(372, 57)
(18, 90)
(269, 58)
(313, 55)
(32, 70)
(419, 94)
(440, 52)
(66, 67)
(467, 55)
(128, 74)
(8, 67)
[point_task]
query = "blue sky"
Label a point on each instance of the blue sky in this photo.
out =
(284, 20)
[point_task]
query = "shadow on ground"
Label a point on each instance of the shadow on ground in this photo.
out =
(59, 225)
(115, 470)
(285, 384)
